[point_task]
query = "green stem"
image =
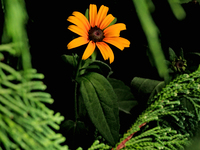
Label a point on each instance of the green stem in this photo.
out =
(151, 31)
(75, 91)
(94, 55)
(75, 102)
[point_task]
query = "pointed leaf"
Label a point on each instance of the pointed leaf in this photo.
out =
(99, 67)
(177, 9)
(101, 103)
(196, 53)
(84, 65)
(126, 100)
(87, 14)
(74, 131)
(172, 55)
(68, 125)
(146, 88)
(113, 22)
(181, 53)
(72, 60)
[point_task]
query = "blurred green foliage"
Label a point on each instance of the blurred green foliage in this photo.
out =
(15, 29)
(151, 31)
(25, 121)
(144, 9)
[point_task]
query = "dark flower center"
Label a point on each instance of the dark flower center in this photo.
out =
(96, 34)
(179, 64)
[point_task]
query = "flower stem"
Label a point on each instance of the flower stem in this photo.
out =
(75, 102)
(94, 55)
(75, 91)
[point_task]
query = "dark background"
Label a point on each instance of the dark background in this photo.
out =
(49, 36)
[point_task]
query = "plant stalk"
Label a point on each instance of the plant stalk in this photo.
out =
(75, 91)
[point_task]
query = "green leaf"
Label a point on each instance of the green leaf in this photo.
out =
(177, 9)
(68, 125)
(184, 1)
(172, 55)
(87, 14)
(101, 104)
(71, 60)
(113, 22)
(73, 130)
(82, 112)
(196, 53)
(76, 127)
(99, 67)
(84, 65)
(126, 100)
(146, 88)
(181, 53)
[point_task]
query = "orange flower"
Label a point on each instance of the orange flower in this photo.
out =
(97, 32)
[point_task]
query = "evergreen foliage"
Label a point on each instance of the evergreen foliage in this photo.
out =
(172, 117)
(25, 121)
(170, 121)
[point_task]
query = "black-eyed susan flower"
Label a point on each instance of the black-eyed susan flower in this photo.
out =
(97, 32)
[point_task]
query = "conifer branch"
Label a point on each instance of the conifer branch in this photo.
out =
(170, 123)
(26, 123)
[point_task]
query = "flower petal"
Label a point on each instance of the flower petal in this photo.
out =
(114, 41)
(103, 10)
(125, 42)
(77, 22)
(119, 42)
(78, 30)
(92, 14)
(108, 51)
(82, 18)
(77, 42)
(106, 21)
(89, 50)
(102, 50)
(114, 30)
